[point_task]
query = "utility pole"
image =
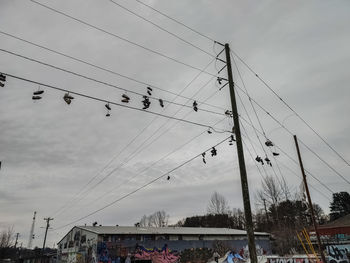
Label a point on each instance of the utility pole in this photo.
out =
(267, 217)
(47, 227)
(31, 233)
(242, 168)
(310, 202)
(17, 235)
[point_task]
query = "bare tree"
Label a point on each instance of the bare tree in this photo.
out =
(144, 221)
(270, 192)
(217, 204)
(285, 190)
(6, 237)
(157, 219)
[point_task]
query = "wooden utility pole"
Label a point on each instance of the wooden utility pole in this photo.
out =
(267, 217)
(310, 202)
(242, 168)
(17, 235)
(47, 227)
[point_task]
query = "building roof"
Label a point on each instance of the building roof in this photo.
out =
(166, 230)
(340, 222)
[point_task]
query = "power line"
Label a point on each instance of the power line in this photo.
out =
(141, 187)
(99, 81)
(141, 147)
(176, 21)
(303, 143)
(260, 124)
(291, 158)
(101, 68)
(161, 28)
(110, 102)
(252, 71)
(119, 37)
(147, 168)
(290, 108)
(294, 173)
(132, 155)
(209, 38)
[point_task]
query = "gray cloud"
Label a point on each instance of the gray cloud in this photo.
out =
(50, 150)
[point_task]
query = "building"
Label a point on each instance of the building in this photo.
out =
(335, 237)
(335, 232)
(85, 244)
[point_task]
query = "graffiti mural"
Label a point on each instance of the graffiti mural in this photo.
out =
(156, 255)
(291, 260)
(338, 253)
(244, 252)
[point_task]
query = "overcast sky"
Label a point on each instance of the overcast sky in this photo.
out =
(50, 150)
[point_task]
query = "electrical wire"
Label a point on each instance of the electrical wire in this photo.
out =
(100, 68)
(176, 21)
(290, 108)
(99, 81)
(117, 36)
(141, 187)
(107, 101)
(161, 28)
(209, 38)
(303, 143)
(291, 158)
(260, 124)
(142, 171)
(287, 167)
(140, 149)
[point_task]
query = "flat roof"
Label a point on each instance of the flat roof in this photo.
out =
(166, 230)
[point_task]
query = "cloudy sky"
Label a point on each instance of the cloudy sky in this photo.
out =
(66, 161)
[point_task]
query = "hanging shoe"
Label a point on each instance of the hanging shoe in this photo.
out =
(38, 92)
(269, 143)
(219, 80)
(161, 103)
(107, 106)
(275, 154)
(126, 98)
(68, 98)
(36, 98)
(213, 151)
(203, 158)
(195, 104)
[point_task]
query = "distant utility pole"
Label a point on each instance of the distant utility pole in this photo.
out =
(31, 233)
(17, 235)
(310, 202)
(242, 168)
(47, 227)
(267, 217)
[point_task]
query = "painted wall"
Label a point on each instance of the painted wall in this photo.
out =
(78, 246)
(338, 253)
